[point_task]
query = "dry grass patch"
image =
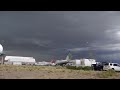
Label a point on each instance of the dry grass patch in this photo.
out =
(107, 74)
(51, 72)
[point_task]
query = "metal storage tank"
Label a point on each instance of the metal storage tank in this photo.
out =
(89, 62)
(1, 49)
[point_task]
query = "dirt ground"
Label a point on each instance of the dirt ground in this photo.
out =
(51, 72)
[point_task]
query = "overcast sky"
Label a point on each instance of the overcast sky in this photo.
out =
(51, 34)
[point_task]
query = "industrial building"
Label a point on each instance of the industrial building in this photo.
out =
(15, 60)
(19, 60)
(82, 62)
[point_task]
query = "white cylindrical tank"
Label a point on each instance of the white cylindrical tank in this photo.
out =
(1, 49)
(77, 62)
(87, 62)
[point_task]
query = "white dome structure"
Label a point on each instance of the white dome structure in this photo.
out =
(1, 49)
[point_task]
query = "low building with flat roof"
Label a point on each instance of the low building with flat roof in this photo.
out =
(19, 59)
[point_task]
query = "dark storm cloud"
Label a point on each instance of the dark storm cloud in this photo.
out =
(53, 33)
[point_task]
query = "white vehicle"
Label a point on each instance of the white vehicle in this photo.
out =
(113, 66)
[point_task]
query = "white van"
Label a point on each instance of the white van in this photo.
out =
(113, 66)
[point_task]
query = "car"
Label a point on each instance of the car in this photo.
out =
(97, 67)
(113, 66)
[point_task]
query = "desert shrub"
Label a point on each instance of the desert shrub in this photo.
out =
(63, 70)
(50, 71)
(106, 74)
(71, 67)
(58, 67)
(87, 68)
(79, 67)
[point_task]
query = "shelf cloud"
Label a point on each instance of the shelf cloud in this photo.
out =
(51, 34)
